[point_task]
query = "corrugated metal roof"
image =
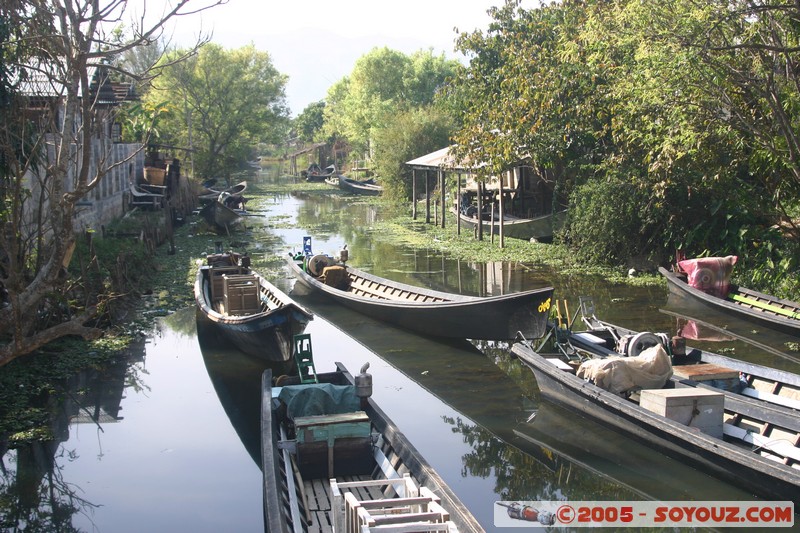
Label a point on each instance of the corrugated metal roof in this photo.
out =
(40, 83)
(441, 158)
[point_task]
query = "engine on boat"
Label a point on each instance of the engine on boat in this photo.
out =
(317, 263)
(634, 344)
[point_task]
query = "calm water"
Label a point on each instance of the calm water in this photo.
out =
(177, 443)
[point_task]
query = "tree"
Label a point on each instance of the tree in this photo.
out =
(383, 83)
(51, 131)
(407, 135)
(224, 102)
(309, 123)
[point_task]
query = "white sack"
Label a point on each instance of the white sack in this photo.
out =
(649, 370)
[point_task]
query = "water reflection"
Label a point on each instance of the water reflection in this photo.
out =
(611, 459)
(236, 378)
(34, 491)
(716, 331)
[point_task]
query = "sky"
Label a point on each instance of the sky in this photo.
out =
(317, 42)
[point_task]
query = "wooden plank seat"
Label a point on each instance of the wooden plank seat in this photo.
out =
(704, 372)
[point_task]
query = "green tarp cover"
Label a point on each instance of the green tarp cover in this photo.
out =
(319, 399)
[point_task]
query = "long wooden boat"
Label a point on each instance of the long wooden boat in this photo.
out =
(426, 311)
(331, 458)
(763, 309)
(539, 228)
(253, 314)
(705, 414)
(367, 187)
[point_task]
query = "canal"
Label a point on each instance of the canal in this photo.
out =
(168, 440)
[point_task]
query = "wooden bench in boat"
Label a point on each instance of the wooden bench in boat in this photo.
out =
(727, 379)
(704, 372)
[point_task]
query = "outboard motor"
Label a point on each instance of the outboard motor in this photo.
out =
(343, 254)
(364, 385)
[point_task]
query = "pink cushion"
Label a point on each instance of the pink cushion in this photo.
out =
(710, 274)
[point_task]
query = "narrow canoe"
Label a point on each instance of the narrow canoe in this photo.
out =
(762, 309)
(220, 215)
(434, 313)
(254, 315)
(541, 228)
(372, 465)
(368, 188)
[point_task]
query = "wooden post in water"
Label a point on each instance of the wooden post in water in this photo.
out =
(502, 234)
(441, 188)
(413, 194)
(480, 210)
(458, 203)
(427, 200)
(491, 225)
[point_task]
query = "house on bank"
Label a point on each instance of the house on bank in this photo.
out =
(520, 203)
(125, 161)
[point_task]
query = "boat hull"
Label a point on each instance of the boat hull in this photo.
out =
(773, 321)
(444, 314)
(266, 335)
(220, 215)
(354, 186)
(726, 461)
(540, 228)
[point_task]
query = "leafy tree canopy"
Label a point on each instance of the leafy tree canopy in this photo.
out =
(221, 104)
(382, 83)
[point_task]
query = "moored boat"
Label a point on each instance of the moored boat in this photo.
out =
(333, 460)
(253, 314)
(426, 311)
(315, 173)
(366, 187)
(541, 228)
(210, 194)
(738, 421)
(225, 212)
(758, 308)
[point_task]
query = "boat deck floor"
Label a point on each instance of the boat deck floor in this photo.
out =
(318, 493)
